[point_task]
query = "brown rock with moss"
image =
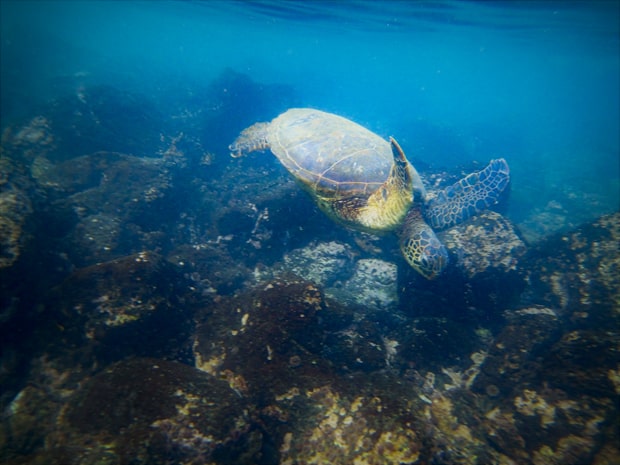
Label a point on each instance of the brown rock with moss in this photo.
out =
(129, 306)
(264, 338)
(579, 273)
(540, 426)
(585, 362)
(156, 412)
(514, 358)
(119, 203)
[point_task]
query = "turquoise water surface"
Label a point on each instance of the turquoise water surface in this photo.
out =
(534, 82)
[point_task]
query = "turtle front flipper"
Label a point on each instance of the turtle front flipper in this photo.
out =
(469, 196)
(250, 139)
(421, 247)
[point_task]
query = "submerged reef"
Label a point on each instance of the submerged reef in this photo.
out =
(128, 306)
(15, 210)
(162, 304)
(103, 118)
(17, 190)
(578, 273)
(157, 412)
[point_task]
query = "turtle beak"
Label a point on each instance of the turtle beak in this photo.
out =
(433, 261)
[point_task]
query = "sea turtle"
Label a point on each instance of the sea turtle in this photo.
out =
(365, 182)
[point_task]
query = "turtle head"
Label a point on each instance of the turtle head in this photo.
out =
(386, 207)
(421, 247)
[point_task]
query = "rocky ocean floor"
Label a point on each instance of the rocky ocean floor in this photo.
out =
(164, 304)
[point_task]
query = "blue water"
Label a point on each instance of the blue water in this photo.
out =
(128, 232)
(534, 82)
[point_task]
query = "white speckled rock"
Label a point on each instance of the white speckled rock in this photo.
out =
(368, 283)
(321, 263)
(372, 286)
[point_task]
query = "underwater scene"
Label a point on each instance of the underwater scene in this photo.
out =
(325, 232)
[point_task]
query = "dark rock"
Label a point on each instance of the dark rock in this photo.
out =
(29, 141)
(515, 357)
(362, 419)
(548, 426)
(28, 264)
(16, 206)
(359, 347)
(264, 339)
(585, 362)
(426, 343)
(262, 220)
(95, 118)
(579, 273)
(123, 204)
(26, 422)
(327, 368)
(210, 269)
(338, 316)
(103, 118)
(156, 412)
(270, 345)
(129, 306)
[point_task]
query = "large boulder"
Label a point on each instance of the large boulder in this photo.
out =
(265, 338)
(126, 307)
(120, 204)
(152, 411)
(578, 273)
(372, 286)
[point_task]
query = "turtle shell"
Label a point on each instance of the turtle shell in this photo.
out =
(330, 155)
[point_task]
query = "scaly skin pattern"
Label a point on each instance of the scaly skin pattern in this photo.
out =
(421, 247)
(469, 196)
(455, 204)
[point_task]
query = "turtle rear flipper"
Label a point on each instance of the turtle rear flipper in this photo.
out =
(468, 196)
(251, 139)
